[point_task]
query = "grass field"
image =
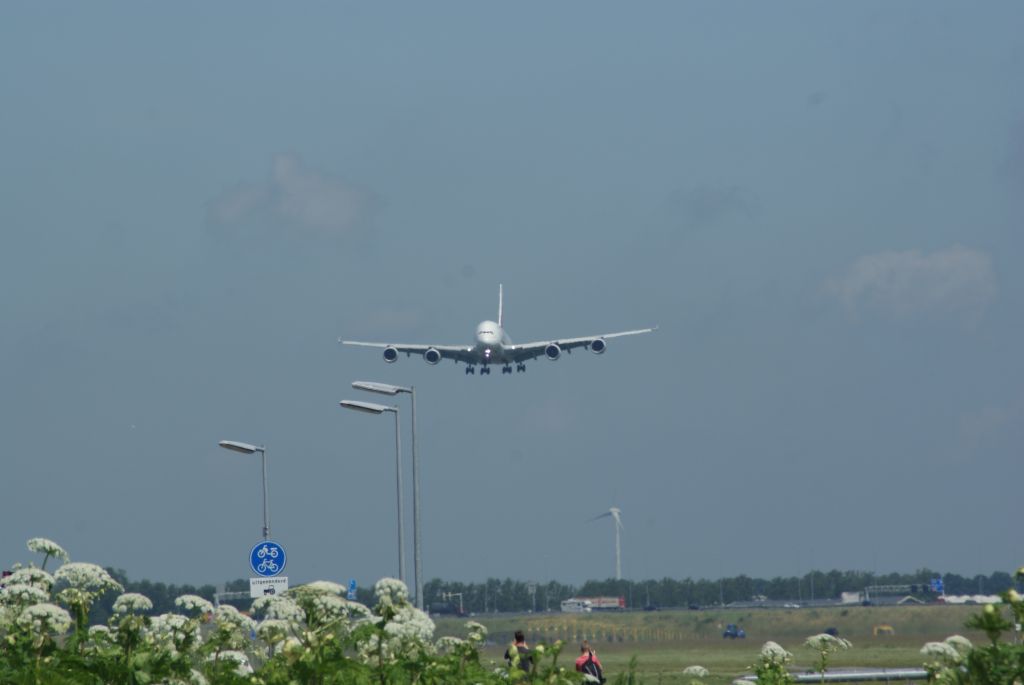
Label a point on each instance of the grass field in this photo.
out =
(666, 642)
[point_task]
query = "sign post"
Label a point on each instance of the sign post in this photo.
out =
(267, 560)
(267, 587)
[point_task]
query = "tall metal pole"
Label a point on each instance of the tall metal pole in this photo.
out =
(398, 483)
(618, 553)
(266, 509)
(417, 567)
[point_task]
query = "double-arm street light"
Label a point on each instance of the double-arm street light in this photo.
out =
(246, 448)
(386, 389)
(371, 408)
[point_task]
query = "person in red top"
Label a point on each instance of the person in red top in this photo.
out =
(588, 662)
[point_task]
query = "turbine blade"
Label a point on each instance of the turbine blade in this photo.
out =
(600, 516)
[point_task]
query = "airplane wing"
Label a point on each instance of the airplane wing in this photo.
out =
(454, 352)
(532, 350)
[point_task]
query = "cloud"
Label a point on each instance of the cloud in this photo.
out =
(294, 197)
(957, 282)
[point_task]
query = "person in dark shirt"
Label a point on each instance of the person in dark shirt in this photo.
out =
(525, 657)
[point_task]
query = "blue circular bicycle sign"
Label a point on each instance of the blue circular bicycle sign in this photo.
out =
(267, 558)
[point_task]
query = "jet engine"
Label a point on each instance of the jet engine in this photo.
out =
(598, 346)
(390, 355)
(553, 351)
(431, 356)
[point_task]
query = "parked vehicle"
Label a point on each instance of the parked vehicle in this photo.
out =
(576, 605)
(446, 608)
(733, 631)
(606, 603)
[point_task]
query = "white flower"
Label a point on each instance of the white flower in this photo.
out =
(194, 603)
(87, 577)
(959, 643)
(171, 631)
(391, 592)
(772, 652)
(476, 632)
(171, 622)
(358, 611)
(278, 607)
(228, 616)
(97, 630)
(24, 595)
(941, 651)
(823, 642)
(273, 630)
(411, 626)
(131, 602)
(696, 671)
(325, 586)
(45, 618)
(449, 643)
(240, 660)
(47, 547)
(30, 576)
(329, 607)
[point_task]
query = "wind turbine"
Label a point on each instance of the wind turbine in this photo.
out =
(616, 514)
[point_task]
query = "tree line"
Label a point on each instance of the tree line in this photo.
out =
(509, 595)
(516, 595)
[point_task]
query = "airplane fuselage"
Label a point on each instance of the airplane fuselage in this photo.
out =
(491, 341)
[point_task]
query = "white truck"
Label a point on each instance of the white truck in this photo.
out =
(585, 605)
(575, 605)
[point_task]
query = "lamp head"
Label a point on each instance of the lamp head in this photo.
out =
(243, 447)
(382, 388)
(367, 407)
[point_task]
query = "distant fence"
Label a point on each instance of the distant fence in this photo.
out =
(573, 631)
(860, 676)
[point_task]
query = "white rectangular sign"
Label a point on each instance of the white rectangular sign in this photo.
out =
(267, 587)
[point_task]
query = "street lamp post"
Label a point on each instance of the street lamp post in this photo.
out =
(371, 408)
(386, 389)
(246, 448)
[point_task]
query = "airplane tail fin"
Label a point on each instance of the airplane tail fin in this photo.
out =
(501, 322)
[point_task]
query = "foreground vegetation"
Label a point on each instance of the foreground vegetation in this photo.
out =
(315, 636)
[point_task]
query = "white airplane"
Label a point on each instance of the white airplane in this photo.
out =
(493, 346)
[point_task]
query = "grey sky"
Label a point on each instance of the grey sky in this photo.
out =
(819, 204)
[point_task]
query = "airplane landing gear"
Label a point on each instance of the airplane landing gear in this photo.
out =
(470, 370)
(506, 369)
(485, 369)
(520, 368)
